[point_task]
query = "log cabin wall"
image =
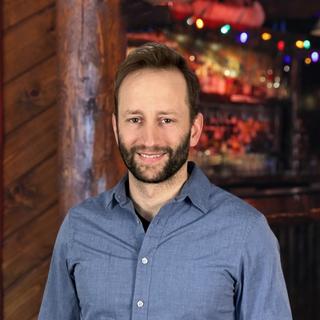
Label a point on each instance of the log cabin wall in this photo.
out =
(31, 216)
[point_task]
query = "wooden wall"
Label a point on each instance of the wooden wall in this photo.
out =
(31, 217)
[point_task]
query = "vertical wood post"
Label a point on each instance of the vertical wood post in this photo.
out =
(91, 43)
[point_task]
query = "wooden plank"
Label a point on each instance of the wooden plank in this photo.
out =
(30, 195)
(24, 250)
(29, 43)
(87, 30)
(30, 94)
(30, 144)
(22, 301)
(16, 10)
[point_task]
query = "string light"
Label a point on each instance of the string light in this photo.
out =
(243, 37)
(307, 44)
(299, 44)
(281, 45)
(315, 56)
(287, 59)
(190, 21)
(199, 23)
(266, 36)
(286, 68)
(307, 60)
(225, 29)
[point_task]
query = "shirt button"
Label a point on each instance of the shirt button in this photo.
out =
(144, 260)
(140, 304)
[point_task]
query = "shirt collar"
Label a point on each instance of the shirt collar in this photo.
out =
(197, 188)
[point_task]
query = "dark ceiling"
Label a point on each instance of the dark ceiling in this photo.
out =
(291, 9)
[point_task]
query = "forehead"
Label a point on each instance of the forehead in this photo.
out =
(153, 87)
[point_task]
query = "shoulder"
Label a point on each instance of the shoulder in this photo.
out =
(231, 206)
(236, 215)
(93, 209)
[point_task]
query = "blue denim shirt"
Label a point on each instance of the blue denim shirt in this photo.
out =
(206, 255)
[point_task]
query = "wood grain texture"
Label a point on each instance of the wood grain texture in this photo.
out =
(30, 195)
(30, 94)
(89, 47)
(22, 301)
(14, 11)
(29, 43)
(30, 144)
(25, 250)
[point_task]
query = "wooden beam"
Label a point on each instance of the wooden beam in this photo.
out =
(91, 43)
(29, 43)
(27, 96)
(40, 133)
(30, 195)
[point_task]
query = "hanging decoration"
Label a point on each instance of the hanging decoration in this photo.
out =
(239, 14)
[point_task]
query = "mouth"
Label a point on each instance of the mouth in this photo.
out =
(151, 157)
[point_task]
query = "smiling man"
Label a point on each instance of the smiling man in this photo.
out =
(164, 243)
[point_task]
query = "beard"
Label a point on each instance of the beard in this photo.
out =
(177, 157)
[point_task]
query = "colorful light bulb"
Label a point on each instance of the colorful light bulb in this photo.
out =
(307, 44)
(199, 23)
(243, 37)
(225, 29)
(287, 59)
(299, 44)
(266, 36)
(315, 56)
(307, 60)
(281, 45)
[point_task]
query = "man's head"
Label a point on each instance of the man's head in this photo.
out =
(159, 57)
(156, 121)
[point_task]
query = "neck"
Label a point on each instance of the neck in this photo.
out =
(148, 198)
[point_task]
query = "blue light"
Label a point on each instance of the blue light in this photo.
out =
(287, 59)
(243, 37)
(315, 56)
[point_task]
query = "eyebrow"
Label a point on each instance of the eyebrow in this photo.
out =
(133, 112)
(161, 113)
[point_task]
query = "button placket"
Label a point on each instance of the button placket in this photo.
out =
(143, 272)
(140, 303)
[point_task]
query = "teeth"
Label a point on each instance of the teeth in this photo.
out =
(150, 156)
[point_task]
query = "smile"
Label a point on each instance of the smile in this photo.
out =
(151, 156)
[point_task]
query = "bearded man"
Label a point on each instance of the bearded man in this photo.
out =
(164, 243)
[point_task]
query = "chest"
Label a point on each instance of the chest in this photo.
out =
(178, 273)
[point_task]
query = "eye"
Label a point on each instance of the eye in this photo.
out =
(166, 120)
(134, 120)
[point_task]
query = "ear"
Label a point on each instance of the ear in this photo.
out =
(115, 127)
(196, 129)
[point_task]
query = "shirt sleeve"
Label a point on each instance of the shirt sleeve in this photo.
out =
(60, 298)
(262, 292)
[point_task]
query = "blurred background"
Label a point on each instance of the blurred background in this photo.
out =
(259, 69)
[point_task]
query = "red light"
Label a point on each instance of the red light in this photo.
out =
(281, 45)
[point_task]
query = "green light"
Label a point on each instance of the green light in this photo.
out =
(225, 29)
(306, 44)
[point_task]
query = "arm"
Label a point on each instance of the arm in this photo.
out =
(261, 293)
(60, 298)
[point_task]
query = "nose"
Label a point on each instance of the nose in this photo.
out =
(150, 135)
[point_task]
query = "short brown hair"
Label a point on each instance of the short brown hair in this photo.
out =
(158, 56)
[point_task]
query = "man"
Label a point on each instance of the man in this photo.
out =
(199, 253)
